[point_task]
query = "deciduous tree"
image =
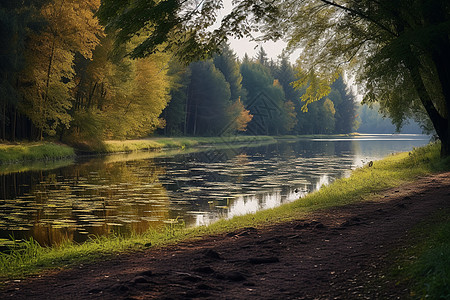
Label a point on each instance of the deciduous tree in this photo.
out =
(69, 28)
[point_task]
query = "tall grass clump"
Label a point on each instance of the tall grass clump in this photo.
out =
(34, 151)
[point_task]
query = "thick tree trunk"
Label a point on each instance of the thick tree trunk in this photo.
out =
(440, 123)
(445, 147)
(436, 14)
(441, 57)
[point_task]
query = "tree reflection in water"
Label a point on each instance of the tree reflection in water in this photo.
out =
(130, 193)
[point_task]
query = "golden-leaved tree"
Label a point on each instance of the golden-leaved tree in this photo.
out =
(68, 28)
(239, 116)
(139, 95)
(117, 97)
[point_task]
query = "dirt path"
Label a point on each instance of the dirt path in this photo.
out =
(328, 256)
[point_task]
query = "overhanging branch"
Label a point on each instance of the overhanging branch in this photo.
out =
(360, 14)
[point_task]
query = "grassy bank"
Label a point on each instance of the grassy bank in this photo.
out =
(175, 142)
(13, 153)
(362, 185)
(39, 151)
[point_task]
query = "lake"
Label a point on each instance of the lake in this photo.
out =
(125, 193)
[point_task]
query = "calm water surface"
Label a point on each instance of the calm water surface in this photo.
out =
(134, 192)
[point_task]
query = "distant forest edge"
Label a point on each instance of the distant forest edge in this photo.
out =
(62, 77)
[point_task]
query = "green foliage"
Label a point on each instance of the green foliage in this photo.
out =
(137, 103)
(69, 29)
(266, 101)
(345, 106)
(226, 62)
(424, 266)
(208, 99)
(175, 112)
(285, 74)
(317, 86)
(123, 97)
(182, 28)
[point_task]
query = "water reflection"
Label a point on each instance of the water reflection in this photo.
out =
(132, 193)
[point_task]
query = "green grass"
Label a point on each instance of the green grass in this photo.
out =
(12, 153)
(158, 143)
(175, 142)
(28, 257)
(424, 265)
(363, 184)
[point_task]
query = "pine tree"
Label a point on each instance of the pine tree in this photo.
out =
(226, 63)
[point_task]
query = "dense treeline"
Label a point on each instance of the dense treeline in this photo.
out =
(223, 95)
(63, 75)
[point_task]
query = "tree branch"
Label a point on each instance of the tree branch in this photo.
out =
(360, 14)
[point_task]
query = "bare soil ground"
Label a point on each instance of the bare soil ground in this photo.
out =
(337, 253)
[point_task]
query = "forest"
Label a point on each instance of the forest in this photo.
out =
(64, 77)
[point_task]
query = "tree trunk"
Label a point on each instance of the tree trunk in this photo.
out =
(4, 121)
(186, 110)
(14, 125)
(440, 123)
(441, 58)
(195, 120)
(435, 14)
(47, 85)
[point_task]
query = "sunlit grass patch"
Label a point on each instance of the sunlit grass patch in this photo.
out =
(363, 184)
(131, 145)
(175, 142)
(33, 151)
(27, 257)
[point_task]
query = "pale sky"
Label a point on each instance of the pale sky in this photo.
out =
(242, 46)
(273, 49)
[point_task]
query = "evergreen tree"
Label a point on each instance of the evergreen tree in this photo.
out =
(345, 105)
(261, 57)
(266, 100)
(226, 63)
(208, 99)
(175, 112)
